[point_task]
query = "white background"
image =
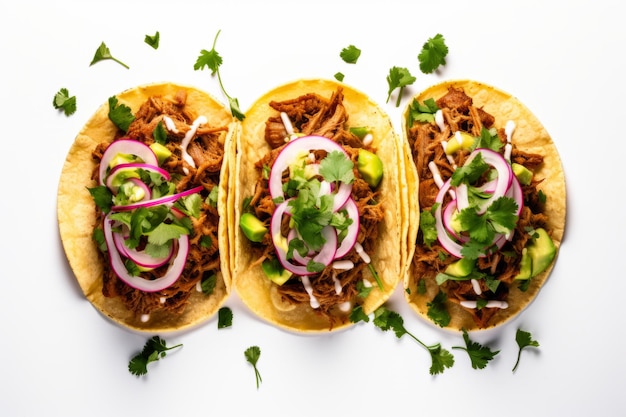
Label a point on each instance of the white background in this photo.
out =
(59, 356)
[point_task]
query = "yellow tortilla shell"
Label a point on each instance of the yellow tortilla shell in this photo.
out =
(250, 283)
(529, 136)
(77, 216)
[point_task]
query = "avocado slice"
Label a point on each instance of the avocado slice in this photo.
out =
(542, 251)
(252, 227)
(525, 266)
(275, 271)
(161, 152)
(523, 174)
(459, 140)
(370, 166)
(461, 268)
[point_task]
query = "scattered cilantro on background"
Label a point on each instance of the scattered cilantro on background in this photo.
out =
(386, 319)
(252, 355)
(63, 101)
(433, 54)
(153, 41)
(350, 54)
(103, 53)
(213, 61)
(339, 76)
(121, 115)
(479, 355)
(224, 318)
(398, 78)
(154, 349)
(523, 340)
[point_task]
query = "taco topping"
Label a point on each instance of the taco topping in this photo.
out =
(316, 211)
(156, 205)
(482, 212)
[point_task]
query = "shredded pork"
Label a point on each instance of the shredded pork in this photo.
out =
(425, 139)
(208, 153)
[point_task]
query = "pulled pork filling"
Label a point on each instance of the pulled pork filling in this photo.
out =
(207, 151)
(425, 140)
(312, 114)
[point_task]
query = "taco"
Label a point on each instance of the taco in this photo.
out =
(318, 215)
(489, 199)
(142, 207)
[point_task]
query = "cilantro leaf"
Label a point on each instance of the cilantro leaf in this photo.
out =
(224, 318)
(350, 54)
(213, 61)
(102, 197)
(154, 349)
(433, 54)
(103, 53)
(489, 139)
(153, 41)
(120, 114)
(386, 319)
(252, 355)
(427, 225)
(437, 311)
(422, 112)
(336, 167)
(339, 76)
(398, 78)
(63, 101)
(208, 284)
(479, 355)
(357, 314)
(523, 339)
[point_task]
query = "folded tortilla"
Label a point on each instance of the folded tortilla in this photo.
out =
(258, 292)
(529, 136)
(77, 214)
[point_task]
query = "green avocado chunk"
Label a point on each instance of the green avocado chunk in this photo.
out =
(161, 152)
(460, 268)
(370, 166)
(252, 227)
(275, 271)
(525, 265)
(537, 255)
(523, 174)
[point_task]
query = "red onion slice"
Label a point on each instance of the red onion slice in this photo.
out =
(353, 230)
(158, 201)
(171, 275)
(121, 168)
(129, 147)
(141, 258)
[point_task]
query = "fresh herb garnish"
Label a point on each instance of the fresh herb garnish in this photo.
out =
(427, 225)
(437, 311)
(252, 355)
(386, 319)
(213, 61)
(154, 349)
(208, 284)
(337, 168)
(398, 78)
(422, 112)
(433, 54)
(523, 339)
(102, 197)
(103, 53)
(357, 314)
(350, 54)
(153, 41)
(224, 318)
(120, 114)
(339, 76)
(63, 101)
(479, 355)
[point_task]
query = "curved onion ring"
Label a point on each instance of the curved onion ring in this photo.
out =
(171, 275)
(353, 230)
(119, 169)
(129, 147)
(139, 257)
(158, 201)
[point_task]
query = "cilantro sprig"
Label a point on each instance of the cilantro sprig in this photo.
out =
(350, 54)
(524, 339)
(479, 355)
(422, 112)
(213, 61)
(64, 101)
(386, 319)
(398, 78)
(154, 349)
(103, 53)
(252, 355)
(433, 54)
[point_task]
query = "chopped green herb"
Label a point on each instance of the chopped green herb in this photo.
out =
(339, 76)
(433, 54)
(437, 310)
(160, 133)
(422, 112)
(154, 349)
(398, 78)
(479, 355)
(336, 167)
(350, 54)
(63, 101)
(208, 284)
(153, 41)
(213, 61)
(102, 197)
(386, 319)
(120, 114)
(103, 53)
(427, 225)
(224, 318)
(252, 355)
(357, 314)
(523, 339)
